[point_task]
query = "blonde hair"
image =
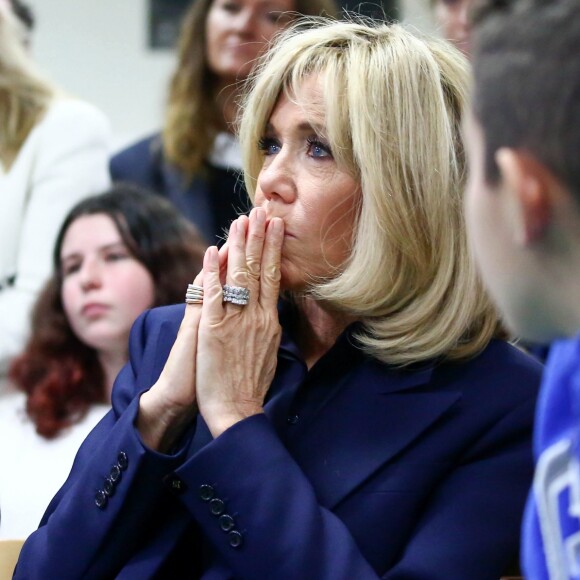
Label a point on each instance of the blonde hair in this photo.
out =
(24, 93)
(192, 119)
(393, 112)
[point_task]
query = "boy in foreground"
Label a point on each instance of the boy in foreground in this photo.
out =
(523, 214)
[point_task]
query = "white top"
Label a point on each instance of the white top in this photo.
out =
(64, 159)
(226, 152)
(32, 468)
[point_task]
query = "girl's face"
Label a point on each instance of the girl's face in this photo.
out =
(238, 31)
(301, 183)
(104, 287)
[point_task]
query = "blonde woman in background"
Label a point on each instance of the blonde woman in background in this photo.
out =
(53, 152)
(372, 423)
(195, 161)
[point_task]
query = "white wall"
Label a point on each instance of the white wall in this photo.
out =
(97, 49)
(418, 13)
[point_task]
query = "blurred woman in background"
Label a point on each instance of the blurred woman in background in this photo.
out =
(53, 152)
(453, 17)
(195, 161)
(116, 255)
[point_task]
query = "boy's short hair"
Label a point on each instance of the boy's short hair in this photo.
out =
(527, 83)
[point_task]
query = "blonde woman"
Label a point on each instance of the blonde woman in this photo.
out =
(53, 152)
(367, 425)
(195, 161)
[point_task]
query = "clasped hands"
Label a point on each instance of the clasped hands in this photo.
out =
(224, 357)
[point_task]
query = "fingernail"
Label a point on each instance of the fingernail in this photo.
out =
(213, 255)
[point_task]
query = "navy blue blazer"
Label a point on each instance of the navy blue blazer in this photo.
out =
(396, 474)
(210, 200)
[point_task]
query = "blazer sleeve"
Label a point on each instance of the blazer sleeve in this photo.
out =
(275, 512)
(70, 163)
(102, 537)
(282, 526)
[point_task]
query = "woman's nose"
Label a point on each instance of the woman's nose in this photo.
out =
(90, 275)
(245, 22)
(276, 180)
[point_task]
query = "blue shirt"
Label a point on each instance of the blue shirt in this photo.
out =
(551, 532)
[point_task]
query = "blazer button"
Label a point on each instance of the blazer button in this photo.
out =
(101, 499)
(115, 474)
(235, 538)
(293, 419)
(217, 507)
(109, 487)
(227, 522)
(206, 492)
(122, 460)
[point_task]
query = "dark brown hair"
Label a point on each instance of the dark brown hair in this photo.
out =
(60, 374)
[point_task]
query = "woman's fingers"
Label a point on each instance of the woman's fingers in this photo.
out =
(223, 260)
(237, 271)
(246, 258)
(254, 248)
(212, 310)
(270, 270)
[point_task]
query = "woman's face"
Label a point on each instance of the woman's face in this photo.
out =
(104, 287)
(453, 18)
(237, 32)
(301, 183)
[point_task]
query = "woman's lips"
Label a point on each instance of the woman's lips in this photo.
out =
(94, 310)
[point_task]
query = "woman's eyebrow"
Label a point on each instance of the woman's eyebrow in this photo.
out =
(304, 127)
(103, 248)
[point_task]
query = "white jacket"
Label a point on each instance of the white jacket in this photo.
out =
(64, 159)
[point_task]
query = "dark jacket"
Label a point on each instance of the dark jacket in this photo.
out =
(210, 200)
(357, 470)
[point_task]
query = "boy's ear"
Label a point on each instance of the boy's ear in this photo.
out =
(529, 184)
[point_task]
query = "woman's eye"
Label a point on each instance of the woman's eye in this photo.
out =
(269, 146)
(278, 17)
(318, 149)
(70, 268)
(231, 7)
(115, 256)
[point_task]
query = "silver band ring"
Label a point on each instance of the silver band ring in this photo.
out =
(194, 300)
(194, 294)
(236, 295)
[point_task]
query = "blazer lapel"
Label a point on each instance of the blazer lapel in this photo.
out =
(364, 426)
